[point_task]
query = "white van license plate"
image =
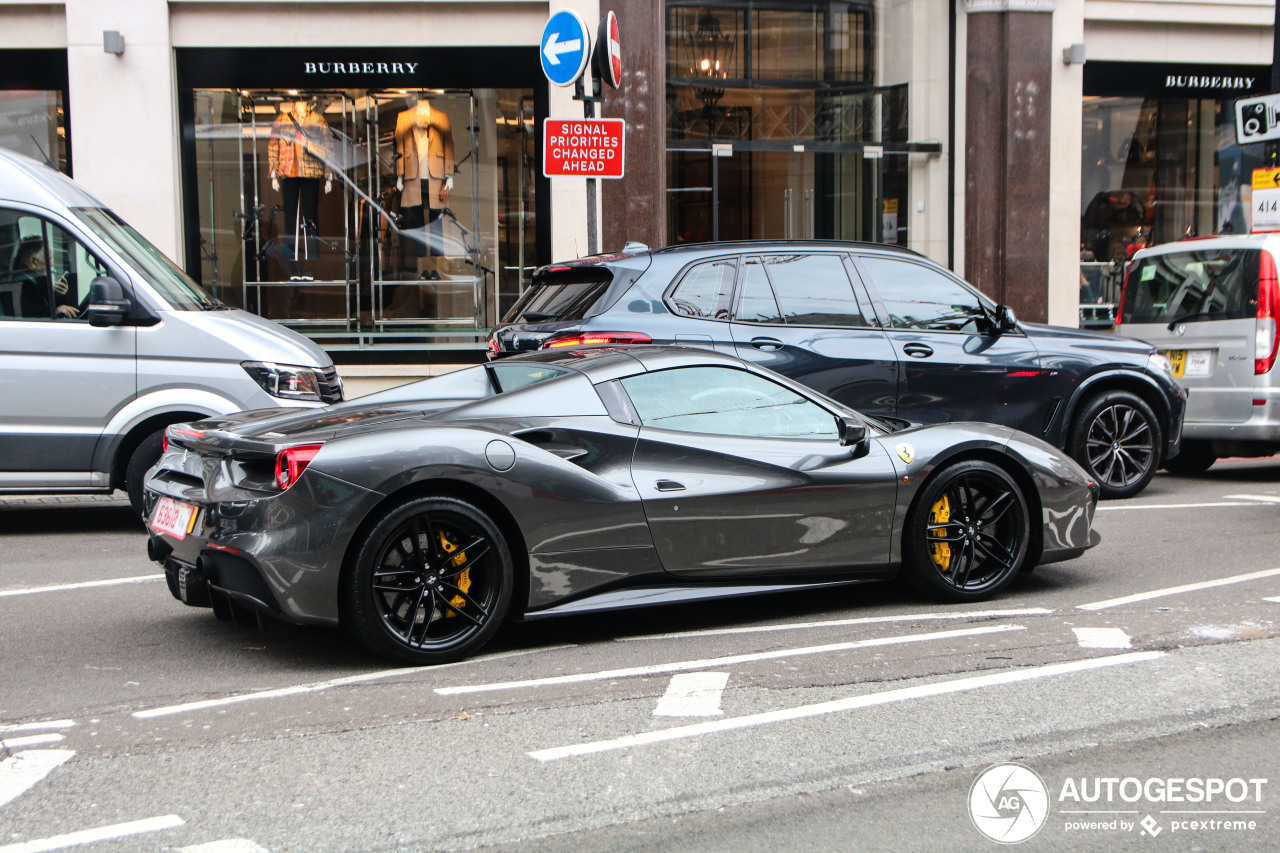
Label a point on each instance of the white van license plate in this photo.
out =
(1189, 362)
(173, 517)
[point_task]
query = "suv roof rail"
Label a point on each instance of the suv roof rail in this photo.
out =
(750, 244)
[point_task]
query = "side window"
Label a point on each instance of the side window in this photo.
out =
(724, 401)
(44, 272)
(757, 305)
(814, 290)
(706, 290)
(917, 297)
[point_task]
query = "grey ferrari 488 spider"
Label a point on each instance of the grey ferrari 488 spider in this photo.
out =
(420, 518)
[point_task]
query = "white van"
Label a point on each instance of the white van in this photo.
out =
(1213, 306)
(104, 342)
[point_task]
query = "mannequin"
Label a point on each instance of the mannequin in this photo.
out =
(424, 167)
(294, 154)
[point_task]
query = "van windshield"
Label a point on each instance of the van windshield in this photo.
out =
(1216, 284)
(161, 273)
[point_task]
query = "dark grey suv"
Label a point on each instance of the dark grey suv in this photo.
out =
(881, 329)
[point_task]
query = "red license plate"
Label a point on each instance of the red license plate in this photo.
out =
(173, 517)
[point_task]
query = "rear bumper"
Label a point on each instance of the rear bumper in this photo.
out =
(1263, 425)
(283, 553)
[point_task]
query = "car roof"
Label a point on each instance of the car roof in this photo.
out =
(31, 182)
(731, 247)
(1220, 241)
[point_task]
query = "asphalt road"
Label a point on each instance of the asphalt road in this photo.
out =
(849, 719)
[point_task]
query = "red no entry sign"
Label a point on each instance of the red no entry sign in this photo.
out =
(583, 148)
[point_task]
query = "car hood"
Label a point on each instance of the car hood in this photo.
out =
(238, 335)
(1051, 340)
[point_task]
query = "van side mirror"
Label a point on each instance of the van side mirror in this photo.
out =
(852, 432)
(107, 302)
(1006, 320)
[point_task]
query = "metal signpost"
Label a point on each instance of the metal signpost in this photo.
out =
(591, 148)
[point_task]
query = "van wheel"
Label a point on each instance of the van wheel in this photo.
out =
(1196, 458)
(1116, 437)
(145, 455)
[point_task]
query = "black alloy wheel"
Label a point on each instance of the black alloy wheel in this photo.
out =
(431, 583)
(1117, 439)
(967, 535)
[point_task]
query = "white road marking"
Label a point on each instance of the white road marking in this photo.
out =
(30, 740)
(1266, 499)
(1113, 507)
(229, 845)
(39, 726)
(836, 623)
(714, 663)
(1102, 638)
(22, 771)
(1275, 599)
(839, 705)
(91, 836)
(325, 685)
(69, 586)
(693, 694)
(1175, 590)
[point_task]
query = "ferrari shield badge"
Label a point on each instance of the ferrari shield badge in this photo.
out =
(906, 452)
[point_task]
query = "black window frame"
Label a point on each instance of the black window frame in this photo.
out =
(987, 304)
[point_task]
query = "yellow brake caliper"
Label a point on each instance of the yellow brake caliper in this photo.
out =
(940, 513)
(464, 579)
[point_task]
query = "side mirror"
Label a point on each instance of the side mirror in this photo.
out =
(107, 302)
(852, 432)
(1006, 320)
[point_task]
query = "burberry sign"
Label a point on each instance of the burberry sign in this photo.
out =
(359, 67)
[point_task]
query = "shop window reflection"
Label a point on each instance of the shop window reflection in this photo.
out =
(34, 123)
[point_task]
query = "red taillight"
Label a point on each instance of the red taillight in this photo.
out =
(1124, 288)
(164, 442)
(1267, 336)
(292, 461)
(590, 339)
(492, 343)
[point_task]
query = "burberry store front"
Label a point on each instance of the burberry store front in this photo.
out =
(364, 196)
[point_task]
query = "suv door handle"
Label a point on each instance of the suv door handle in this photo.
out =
(766, 344)
(918, 350)
(669, 486)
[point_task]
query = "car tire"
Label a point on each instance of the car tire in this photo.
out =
(1196, 458)
(431, 582)
(144, 456)
(968, 533)
(1116, 438)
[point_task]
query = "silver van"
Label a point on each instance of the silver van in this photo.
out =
(104, 342)
(1212, 305)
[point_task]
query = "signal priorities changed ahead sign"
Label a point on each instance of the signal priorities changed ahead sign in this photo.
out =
(583, 147)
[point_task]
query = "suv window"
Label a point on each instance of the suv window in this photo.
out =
(45, 273)
(724, 401)
(757, 305)
(1216, 284)
(814, 290)
(558, 300)
(917, 297)
(706, 291)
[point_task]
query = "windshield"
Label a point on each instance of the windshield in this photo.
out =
(1217, 284)
(148, 261)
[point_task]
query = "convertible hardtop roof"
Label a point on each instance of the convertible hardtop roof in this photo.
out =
(612, 360)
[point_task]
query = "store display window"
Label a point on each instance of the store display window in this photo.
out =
(33, 114)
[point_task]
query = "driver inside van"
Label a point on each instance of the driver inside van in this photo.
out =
(31, 260)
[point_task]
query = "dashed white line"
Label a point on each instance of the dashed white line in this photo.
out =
(20, 772)
(1102, 638)
(92, 836)
(30, 740)
(837, 623)
(839, 705)
(1176, 590)
(325, 685)
(1275, 599)
(715, 663)
(228, 845)
(1114, 507)
(1266, 499)
(43, 725)
(6, 593)
(693, 694)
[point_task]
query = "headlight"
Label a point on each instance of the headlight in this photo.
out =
(286, 381)
(1159, 363)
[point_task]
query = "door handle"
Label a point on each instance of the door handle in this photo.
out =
(669, 486)
(918, 350)
(766, 344)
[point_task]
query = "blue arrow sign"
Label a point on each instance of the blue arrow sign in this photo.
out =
(566, 47)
